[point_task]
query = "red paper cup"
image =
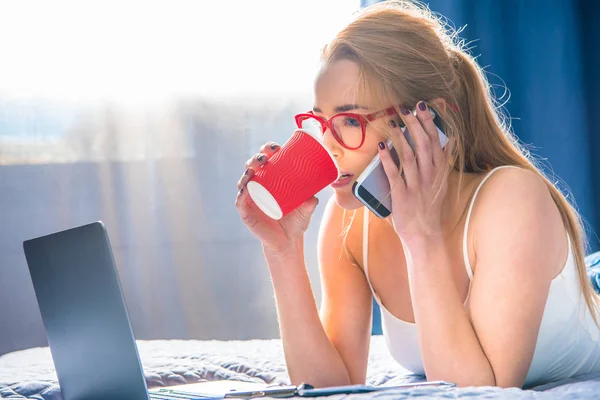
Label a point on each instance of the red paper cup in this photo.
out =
(299, 170)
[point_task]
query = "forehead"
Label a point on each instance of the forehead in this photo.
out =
(337, 85)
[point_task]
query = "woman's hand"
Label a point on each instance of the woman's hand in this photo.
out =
(419, 188)
(275, 235)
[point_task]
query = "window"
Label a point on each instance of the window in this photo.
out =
(105, 81)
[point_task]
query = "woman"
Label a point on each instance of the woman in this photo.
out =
(479, 271)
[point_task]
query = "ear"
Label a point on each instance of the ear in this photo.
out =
(439, 104)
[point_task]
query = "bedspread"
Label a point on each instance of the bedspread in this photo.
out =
(29, 374)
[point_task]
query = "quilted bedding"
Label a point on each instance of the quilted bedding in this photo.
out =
(29, 374)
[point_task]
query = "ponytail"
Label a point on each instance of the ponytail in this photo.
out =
(487, 142)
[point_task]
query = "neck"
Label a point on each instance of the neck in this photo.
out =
(456, 200)
(454, 205)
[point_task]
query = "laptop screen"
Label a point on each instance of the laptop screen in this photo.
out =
(84, 313)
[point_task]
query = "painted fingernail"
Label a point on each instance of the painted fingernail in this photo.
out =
(393, 124)
(404, 110)
(260, 158)
(274, 146)
(246, 171)
(381, 145)
(422, 106)
(241, 190)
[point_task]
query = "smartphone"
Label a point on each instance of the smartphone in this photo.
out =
(353, 389)
(372, 187)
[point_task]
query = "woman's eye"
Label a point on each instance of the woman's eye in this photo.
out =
(353, 122)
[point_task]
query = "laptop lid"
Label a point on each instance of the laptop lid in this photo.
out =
(85, 316)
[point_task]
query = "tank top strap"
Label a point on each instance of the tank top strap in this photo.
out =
(365, 247)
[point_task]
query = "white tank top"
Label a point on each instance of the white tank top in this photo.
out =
(568, 340)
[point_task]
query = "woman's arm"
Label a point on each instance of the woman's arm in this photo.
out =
(518, 241)
(333, 351)
(518, 233)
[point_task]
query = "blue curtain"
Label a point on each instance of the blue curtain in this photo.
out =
(547, 55)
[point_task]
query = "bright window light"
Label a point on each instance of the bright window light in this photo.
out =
(145, 50)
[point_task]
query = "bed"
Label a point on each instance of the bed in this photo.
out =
(29, 374)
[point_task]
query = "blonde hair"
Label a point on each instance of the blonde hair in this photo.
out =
(405, 54)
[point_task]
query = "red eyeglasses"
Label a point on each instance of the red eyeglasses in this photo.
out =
(347, 128)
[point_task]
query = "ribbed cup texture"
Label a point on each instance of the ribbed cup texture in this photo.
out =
(298, 171)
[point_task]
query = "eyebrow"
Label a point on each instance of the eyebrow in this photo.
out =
(344, 108)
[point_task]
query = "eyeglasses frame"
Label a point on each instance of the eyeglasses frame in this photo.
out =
(363, 119)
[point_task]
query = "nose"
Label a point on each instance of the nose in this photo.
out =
(330, 142)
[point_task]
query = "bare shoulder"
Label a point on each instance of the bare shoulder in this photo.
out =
(512, 184)
(514, 212)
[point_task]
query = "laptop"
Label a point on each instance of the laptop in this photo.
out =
(87, 324)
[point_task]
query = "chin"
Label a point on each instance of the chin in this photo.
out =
(346, 200)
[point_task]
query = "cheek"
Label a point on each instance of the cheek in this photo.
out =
(365, 156)
(375, 135)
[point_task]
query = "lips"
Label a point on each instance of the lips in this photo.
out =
(342, 181)
(344, 175)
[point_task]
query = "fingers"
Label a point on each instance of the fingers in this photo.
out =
(239, 198)
(426, 121)
(307, 208)
(419, 136)
(257, 161)
(408, 161)
(243, 202)
(425, 117)
(248, 174)
(269, 148)
(389, 166)
(244, 205)
(388, 163)
(266, 151)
